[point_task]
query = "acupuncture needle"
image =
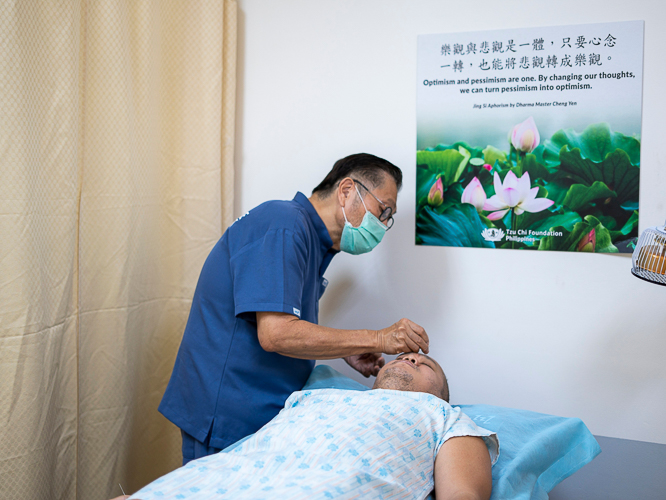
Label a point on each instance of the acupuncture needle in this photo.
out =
(121, 489)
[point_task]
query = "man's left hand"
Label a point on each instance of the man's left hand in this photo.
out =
(366, 364)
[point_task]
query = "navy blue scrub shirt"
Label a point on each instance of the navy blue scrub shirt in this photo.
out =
(223, 382)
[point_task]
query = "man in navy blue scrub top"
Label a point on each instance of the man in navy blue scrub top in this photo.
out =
(252, 333)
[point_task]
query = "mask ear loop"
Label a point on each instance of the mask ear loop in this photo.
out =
(361, 198)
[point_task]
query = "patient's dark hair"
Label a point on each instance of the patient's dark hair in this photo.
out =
(368, 168)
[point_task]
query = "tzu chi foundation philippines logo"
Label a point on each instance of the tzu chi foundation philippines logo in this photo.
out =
(492, 234)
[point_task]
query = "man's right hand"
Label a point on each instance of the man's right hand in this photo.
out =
(403, 336)
(287, 335)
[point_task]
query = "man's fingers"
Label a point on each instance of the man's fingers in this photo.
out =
(366, 364)
(411, 339)
(410, 344)
(404, 336)
(423, 345)
(379, 363)
(420, 331)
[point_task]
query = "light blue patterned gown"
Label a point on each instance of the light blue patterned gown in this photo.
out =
(331, 443)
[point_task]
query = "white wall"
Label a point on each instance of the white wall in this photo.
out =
(562, 333)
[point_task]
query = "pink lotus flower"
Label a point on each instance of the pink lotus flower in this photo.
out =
(514, 194)
(488, 167)
(436, 194)
(588, 242)
(474, 194)
(525, 136)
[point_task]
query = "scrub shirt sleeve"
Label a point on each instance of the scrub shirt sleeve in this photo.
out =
(268, 274)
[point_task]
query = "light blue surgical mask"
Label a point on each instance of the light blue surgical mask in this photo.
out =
(361, 239)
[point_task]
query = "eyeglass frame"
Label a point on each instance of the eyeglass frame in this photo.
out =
(387, 220)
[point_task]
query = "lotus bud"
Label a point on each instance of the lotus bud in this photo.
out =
(488, 167)
(436, 194)
(474, 194)
(588, 242)
(525, 136)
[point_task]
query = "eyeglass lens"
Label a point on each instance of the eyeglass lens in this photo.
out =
(385, 216)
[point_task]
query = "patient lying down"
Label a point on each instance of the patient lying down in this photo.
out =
(398, 440)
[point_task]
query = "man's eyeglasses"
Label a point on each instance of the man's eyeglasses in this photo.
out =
(386, 216)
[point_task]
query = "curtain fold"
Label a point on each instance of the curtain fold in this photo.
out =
(116, 179)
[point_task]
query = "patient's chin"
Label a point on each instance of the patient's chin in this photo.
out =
(394, 378)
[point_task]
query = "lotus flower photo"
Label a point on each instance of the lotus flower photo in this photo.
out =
(474, 194)
(575, 191)
(514, 194)
(525, 136)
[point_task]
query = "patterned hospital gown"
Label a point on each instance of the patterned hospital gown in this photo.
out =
(331, 443)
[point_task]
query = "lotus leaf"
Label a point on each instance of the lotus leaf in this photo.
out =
(534, 168)
(630, 226)
(595, 143)
(458, 226)
(580, 196)
(566, 220)
(448, 164)
(571, 238)
(475, 152)
(492, 154)
(615, 171)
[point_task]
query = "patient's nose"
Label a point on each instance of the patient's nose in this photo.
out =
(412, 358)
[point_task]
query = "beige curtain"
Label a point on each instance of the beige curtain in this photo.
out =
(116, 179)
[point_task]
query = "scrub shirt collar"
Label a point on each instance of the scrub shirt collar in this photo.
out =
(319, 225)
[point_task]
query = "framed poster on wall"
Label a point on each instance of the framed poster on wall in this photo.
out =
(530, 138)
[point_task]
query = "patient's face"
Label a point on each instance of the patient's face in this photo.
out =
(413, 372)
